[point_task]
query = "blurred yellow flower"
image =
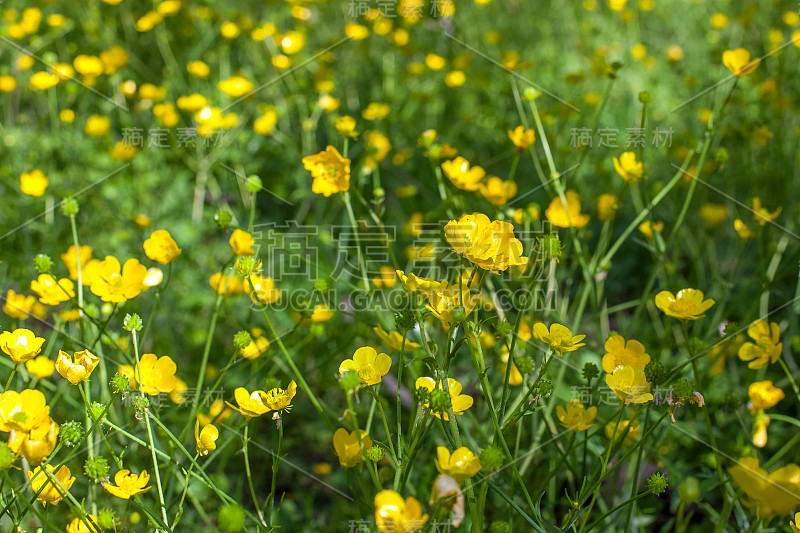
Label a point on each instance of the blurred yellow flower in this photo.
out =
(97, 125)
(291, 42)
(21, 345)
(198, 69)
(33, 183)
(761, 214)
(394, 340)
(575, 417)
(258, 345)
(331, 172)
(346, 126)
(18, 305)
(713, 214)
(648, 228)
(370, 365)
(242, 242)
(617, 431)
(88, 66)
(51, 492)
(455, 78)
(498, 191)
(114, 284)
(226, 286)
(460, 402)
(43, 80)
(559, 338)
(607, 206)
(206, 438)
(7, 84)
(347, 448)
(764, 395)
(77, 367)
(395, 515)
(777, 492)
(569, 216)
(461, 464)
(79, 525)
(767, 347)
(688, 304)
(161, 247)
(521, 137)
(128, 484)
(265, 291)
(628, 168)
(41, 366)
(742, 230)
(459, 172)
(236, 86)
(738, 62)
(490, 245)
(356, 32)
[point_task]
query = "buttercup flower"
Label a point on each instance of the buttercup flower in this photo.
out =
(78, 525)
(242, 242)
(257, 346)
(795, 524)
(559, 338)
(569, 216)
(280, 400)
(23, 411)
(632, 434)
(369, 364)
(489, 245)
(607, 205)
(764, 395)
(460, 402)
(21, 345)
(759, 431)
(575, 416)
(236, 86)
(347, 447)
(738, 62)
(767, 347)
(346, 126)
(161, 247)
(217, 413)
(226, 285)
(331, 172)
(619, 353)
(113, 284)
(424, 286)
(761, 214)
(498, 191)
(628, 168)
(521, 137)
(157, 374)
(688, 304)
(33, 183)
(41, 366)
(445, 300)
(649, 228)
(251, 405)
(77, 367)
(52, 291)
(36, 445)
(71, 261)
(629, 384)
(265, 291)
(18, 305)
(395, 515)
(127, 484)
(51, 493)
(460, 465)
(459, 172)
(448, 494)
(777, 492)
(394, 340)
(206, 438)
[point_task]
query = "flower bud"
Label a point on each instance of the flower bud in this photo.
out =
(119, 384)
(590, 371)
(96, 468)
(422, 395)
(689, 490)
(349, 380)
(253, 183)
(440, 401)
(223, 218)
(525, 364)
(242, 340)
(107, 519)
(132, 322)
(42, 263)
(503, 328)
(657, 483)
(655, 373)
(491, 459)
(683, 389)
(96, 411)
(458, 315)
(7, 457)
(550, 247)
(70, 207)
(71, 433)
(499, 527)
(231, 518)
(375, 453)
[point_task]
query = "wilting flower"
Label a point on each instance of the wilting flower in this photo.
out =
(491, 245)
(369, 364)
(575, 416)
(764, 395)
(628, 168)
(559, 338)
(738, 62)
(77, 367)
(761, 214)
(331, 172)
(498, 191)
(23, 411)
(157, 374)
(566, 216)
(460, 402)
(18, 305)
(521, 137)
(52, 291)
(127, 484)
(161, 247)
(114, 285)
(21, 345)
(206, 438)
(772, 493)
(767, 346)
(688, 304)
(619, 353)
(394, 340)
(395, 515)
(629, 384)
(460, 465)
(459, 172)
(51, 493)
(37, 444)
(242, 242)
(347, 448)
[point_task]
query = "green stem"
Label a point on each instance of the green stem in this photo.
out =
(245, 442)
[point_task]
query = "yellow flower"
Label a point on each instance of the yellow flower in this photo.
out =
(369, 364)
(759, 431)
(226, 285)
(489, 245)
(498, 191)
(445, 300)
(291, 42)
(113, 284)
(713, 214)
(377, 146)
(89, 66)
(21, 345)
(762, 215)
(22, 411)
(71, 261)
(37, 444)
(331, 172)
(217, 413)
(52, 292)
(386, 279)
(738, 62)
(18, 305)
(569, 216)
(265, 124)
(628, 168)
(521, 137)
(206, 439)
(7, 84)
(574, 417)
(280, 400)
(178, 394)
(41, 366)
(459, 172)
(394, 340)
(51, 492)
(78, 525)
(688, 304)
(236, 86)
(629, 384)
(77, 367)
(632, 427)
(763, 395)
(356, 32)
(607, 206)
(375, 111)
(559, 338)
(127, 484)
(767, 347)
(161, 247)
(256, 347)
(157, 374)
(460, 402)
(424, 286)
(795, 524)
(346, 126)
(347, 448)
(515, 378)
(250, 405)
(265, 292)
(649, 228)
(43, 80)
(772, 493)
(33, 183)
(619, 353)
(460, 465)
(242, 242)
(198, 69)
(395, 515)
(97, 125)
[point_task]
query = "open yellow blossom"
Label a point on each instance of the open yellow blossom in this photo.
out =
(71, 261)
(559, 338)
(575, 417)
(459, 172)
(265, 291)
(114, 284)
(393, 514)
(198, 69)
(161, 247)
(50, 491)
(226, 286)
(491, 245)
(370, 365)
(23, 411)
(331, 172)
(767, 347)
(460, 402)
(127, 484)
(713, 214)
(376, 111)
(424, 286)
(18, 305)
(242, 242)
(394, 340)
(620, 353)
(688, 304)
(445, 300)
(628, 168)
(43, 80)
(498, 191)
(521, 137)
(280, 400)
(569, 216)
(617, 431)
(52, 291)
(795, 524)
(761, 214)
(321, 313)
(21, 345)
(251, 405)
(33, 183)
(629, 384)
(764, 395)
(157, 374)
(41, 366)
(37, 444)
(77, 367)
(739, 63)
(460, 465)
(236, 86)
(777, 492)
(387, 278)
(347, 448)
(79, 525)
(206, 439)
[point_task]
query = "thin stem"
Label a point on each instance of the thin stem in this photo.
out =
(245, 442)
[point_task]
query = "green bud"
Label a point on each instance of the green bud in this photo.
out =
(223, 218)
(405, 320)
(550, 247)
(375, 453)
(655, 373)
(422, 395)
(242, 340)
(70, 207)
(42, 263)
(141, 403)
(96, 468)
(7, 457)
(525, 364)
(440, 401)
(590, 371)
(731, 402)
(253, 183)
(657, 483)
(349, 380)
(503, 328)
(491, 459)
(731, 328)
(379, 193)
(321, 285)
(721, 156)
(432, 346)
(544, 389)
(231, 518)
(530, 94)
(71, 433)
(689, 490)
(96, 411)
(119, 384)
(132, 322)
(644, 97)
(499, 527)
(458, 315)
(683, 389)
(107, 518)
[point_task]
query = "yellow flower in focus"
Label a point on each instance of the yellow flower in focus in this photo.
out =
(395, 515)
(629, 384)
(795, 524)
(242, 242)
(688, 304)
(21, 345)
(51, 493)
(97, 125)
(777, 492)
(498, 191)
(52, 291)
(33, 183)
(460, 465)
(251, 405)
(764, 395)
(265, 291)
(41, 366)
(331, 172)
(767, 347)
(648, 228)
(206, 439)
(424, 286)
(521, 137)
(619, 353)
(559, 338)
(114, 284)
(279, 399)
(369, 364)
(394, 340)
(460, 402)
(607, 206)
(37, 445)
(198, 69)
(575, 417)
(347, 448)
(226, 285)
(127, 484)
(77, 367)
(762, 215)
(157, 374)
(23, 411)
(161, 247)
(445, 300)
(617, 431)
(569, 216)
(236, 86)
(628, 168)
(459, 172)
(738, 62)
(490, 245)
